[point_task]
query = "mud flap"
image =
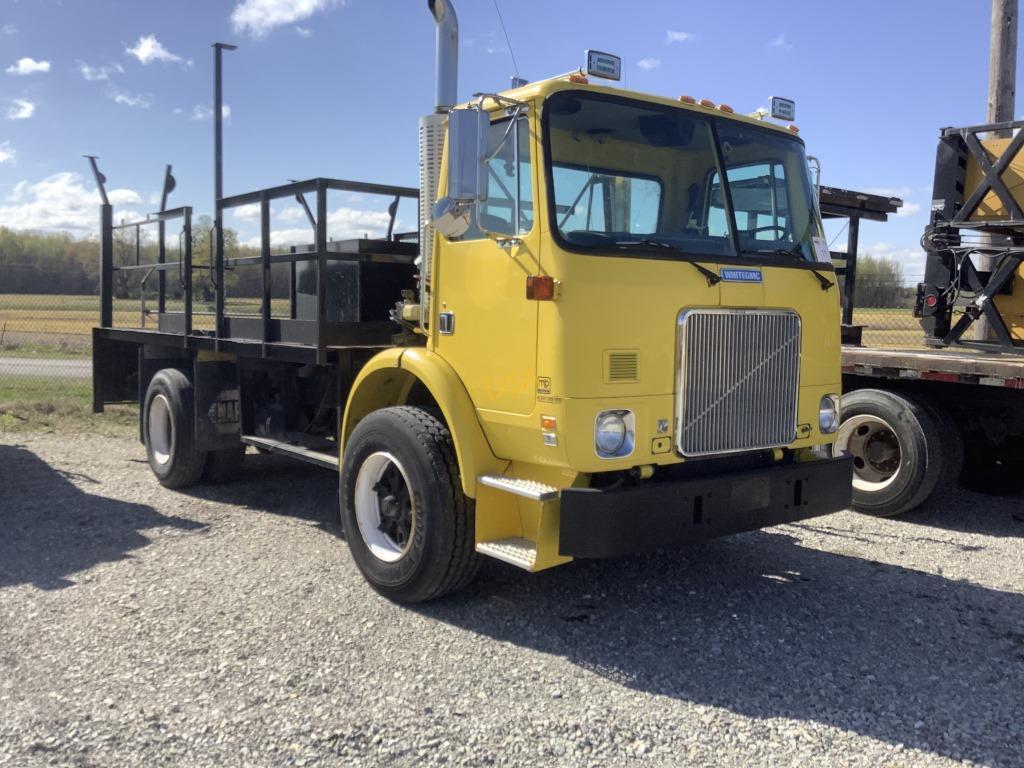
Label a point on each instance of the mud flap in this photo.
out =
(218, 405)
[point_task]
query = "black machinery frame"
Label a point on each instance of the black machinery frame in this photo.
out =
(953, 237)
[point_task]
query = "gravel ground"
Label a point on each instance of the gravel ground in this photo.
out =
(228, 626)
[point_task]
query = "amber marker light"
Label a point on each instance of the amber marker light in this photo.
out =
(548, 422)
(707, 103)
(579, 79)
(726, 108)
(792, 129)
(540, 288)
(687, 99)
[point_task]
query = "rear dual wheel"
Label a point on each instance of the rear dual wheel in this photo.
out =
(168, 430)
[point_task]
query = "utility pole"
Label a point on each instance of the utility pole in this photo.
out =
(1002, 91)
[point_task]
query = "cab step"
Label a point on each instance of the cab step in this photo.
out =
(527, 488)
(515, 551)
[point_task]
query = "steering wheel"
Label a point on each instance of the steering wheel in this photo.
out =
(781, 230)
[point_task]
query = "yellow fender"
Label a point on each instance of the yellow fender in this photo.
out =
(387, 379)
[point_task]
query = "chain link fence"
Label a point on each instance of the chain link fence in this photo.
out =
(884, 306)
(46, 350)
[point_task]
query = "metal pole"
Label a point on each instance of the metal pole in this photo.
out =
(106, 265)
(1002, 91)
(218, 185)
(849, 285)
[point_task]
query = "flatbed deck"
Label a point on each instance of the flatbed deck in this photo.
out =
(962, 366)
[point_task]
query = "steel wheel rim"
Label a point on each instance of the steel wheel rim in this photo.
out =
(384, 507)
(160, 430)
(877, 453)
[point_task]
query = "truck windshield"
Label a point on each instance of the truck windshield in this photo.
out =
(630, 176)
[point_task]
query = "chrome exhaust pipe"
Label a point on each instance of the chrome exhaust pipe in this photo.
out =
(447, 73)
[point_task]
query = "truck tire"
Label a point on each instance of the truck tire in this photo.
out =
(168, 430)
(408, 524)
(224, 465)
(897, 450)
(951, 442)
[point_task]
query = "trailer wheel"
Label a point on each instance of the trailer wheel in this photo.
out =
(167, 421)
(896, 448)
(224, 465)
(407, 522)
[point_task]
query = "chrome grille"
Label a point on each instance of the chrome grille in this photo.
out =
(738, 380)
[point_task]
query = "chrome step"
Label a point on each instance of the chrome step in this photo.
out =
(528, 488)
(516, 551)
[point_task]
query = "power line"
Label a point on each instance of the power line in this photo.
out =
(508, 42)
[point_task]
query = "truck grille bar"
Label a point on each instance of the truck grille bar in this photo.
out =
(738, 380)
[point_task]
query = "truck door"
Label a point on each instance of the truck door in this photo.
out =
(491, 328)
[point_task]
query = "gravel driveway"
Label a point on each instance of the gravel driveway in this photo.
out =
(229, 627)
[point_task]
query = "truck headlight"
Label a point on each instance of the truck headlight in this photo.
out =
(614, 433)
(828, 414)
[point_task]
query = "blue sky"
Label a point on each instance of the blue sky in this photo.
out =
(332, 88)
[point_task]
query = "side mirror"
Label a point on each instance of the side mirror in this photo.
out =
(468, 135)
(468, 132)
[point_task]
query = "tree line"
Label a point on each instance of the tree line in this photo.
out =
(45, 263)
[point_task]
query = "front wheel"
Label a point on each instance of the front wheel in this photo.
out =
(407, 522)
(897, 450)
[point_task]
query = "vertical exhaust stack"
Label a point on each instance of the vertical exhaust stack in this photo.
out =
(432, 132)
(447, 73)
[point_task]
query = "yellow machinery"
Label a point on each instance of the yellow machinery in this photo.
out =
(623, 335)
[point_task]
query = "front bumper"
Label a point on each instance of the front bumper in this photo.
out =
(622, 521)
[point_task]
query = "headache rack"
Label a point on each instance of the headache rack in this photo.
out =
(339, 291)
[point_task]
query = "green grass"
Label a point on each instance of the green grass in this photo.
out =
(47, 351)
(36, 404)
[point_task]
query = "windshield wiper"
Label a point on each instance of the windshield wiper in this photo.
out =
(794, 253)
(647, 242)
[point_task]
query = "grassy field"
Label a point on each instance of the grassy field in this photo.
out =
(29, 404)
(54, 326)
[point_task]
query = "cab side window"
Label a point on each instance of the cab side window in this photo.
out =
(507, 182)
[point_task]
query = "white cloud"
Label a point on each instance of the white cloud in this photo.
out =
(911, 259)
(28, 66)
(203, 112)
(303, 31)
(9, 29)
(148, 49)
(672, 36)
(7, 153)
(908, 209)
(780, 42)
(21, 109)
(249, 212)
(259, 17)
(342, 224)
(649, 63)
(141, 100)
(62, 202)
(293, 213)
(98, 73)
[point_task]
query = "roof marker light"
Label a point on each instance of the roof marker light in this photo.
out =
(792, 128)
(726, 108)
(687, 99)
(578, 79)
(707, 103)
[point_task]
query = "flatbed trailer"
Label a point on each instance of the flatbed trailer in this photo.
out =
(919, 419)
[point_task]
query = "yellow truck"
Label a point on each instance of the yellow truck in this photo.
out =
(616, 330)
